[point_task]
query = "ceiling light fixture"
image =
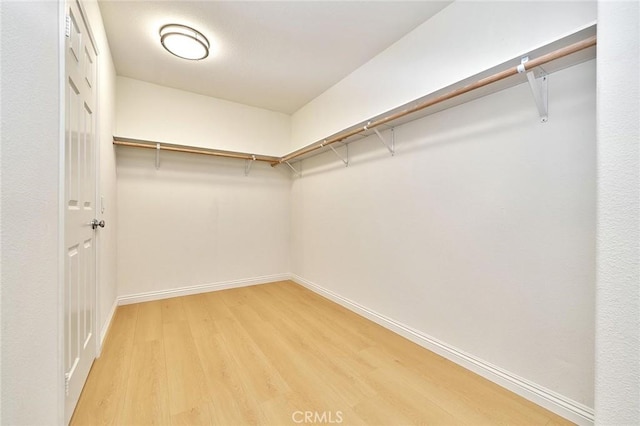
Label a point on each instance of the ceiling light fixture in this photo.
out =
(184, 42)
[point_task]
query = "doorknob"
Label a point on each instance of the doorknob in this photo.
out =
(95, 223)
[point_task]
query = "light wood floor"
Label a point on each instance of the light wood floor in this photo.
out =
(266, 355)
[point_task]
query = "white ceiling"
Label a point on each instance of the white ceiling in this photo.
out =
(277, 55)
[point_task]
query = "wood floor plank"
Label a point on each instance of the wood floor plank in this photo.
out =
(558, 421)
(379, 411)
(260, 380)
(235, 297)
(441, 394)
(103, 394)
(217, 309)
(307, 327)
(147, 393)
(229, 403)
(197, 314)
(457, 389)
(185, 376)
(411, 403)
(149, 324)
(303, 374)
(195, 416)
(265, 354)
(279, 344)
(173, 310)
(296, 408)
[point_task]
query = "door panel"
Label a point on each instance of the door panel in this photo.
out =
(74, 34)
(80, 196)
(72, 147)
(89, 68)
(72, 279)
(88, 159)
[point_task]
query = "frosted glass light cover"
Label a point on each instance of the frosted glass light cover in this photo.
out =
(184, 42)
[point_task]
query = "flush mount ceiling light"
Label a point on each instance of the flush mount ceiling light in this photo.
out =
(184, 42)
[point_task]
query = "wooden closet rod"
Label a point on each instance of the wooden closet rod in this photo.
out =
(192, 150)
(532, 63)
(371, 124)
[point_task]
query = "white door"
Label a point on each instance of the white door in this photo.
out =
(80, 211)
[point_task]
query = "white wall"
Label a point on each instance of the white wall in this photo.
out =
(198, 221)
(31, 379)
(1, 398)
(462, 40)
(107, 237)
(618, 274)
(480, 232)
(29, 33)
(151, 112)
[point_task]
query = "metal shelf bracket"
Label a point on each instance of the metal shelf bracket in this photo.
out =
(343, 159)
(539, 89)
(390, 146)
(157, 156)
(292, 168)
(247, 165)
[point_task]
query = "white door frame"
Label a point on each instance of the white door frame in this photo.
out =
(62, 12)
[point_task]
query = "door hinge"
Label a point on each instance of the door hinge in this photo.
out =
(67, 376)
(67, 26)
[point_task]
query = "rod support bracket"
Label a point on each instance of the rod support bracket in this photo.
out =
(345, 160)
(157, 156)
(247, 165)
(293, 168)
(391, 146)
(539, 89)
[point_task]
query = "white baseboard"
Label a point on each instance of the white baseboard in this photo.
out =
(107, 324)
(546, 398)
(196, 289)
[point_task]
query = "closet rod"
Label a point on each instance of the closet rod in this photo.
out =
(193, 150)
(532, 63)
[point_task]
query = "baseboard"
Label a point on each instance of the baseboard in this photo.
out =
(107, 325)
(546, 398)
(196, 289)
